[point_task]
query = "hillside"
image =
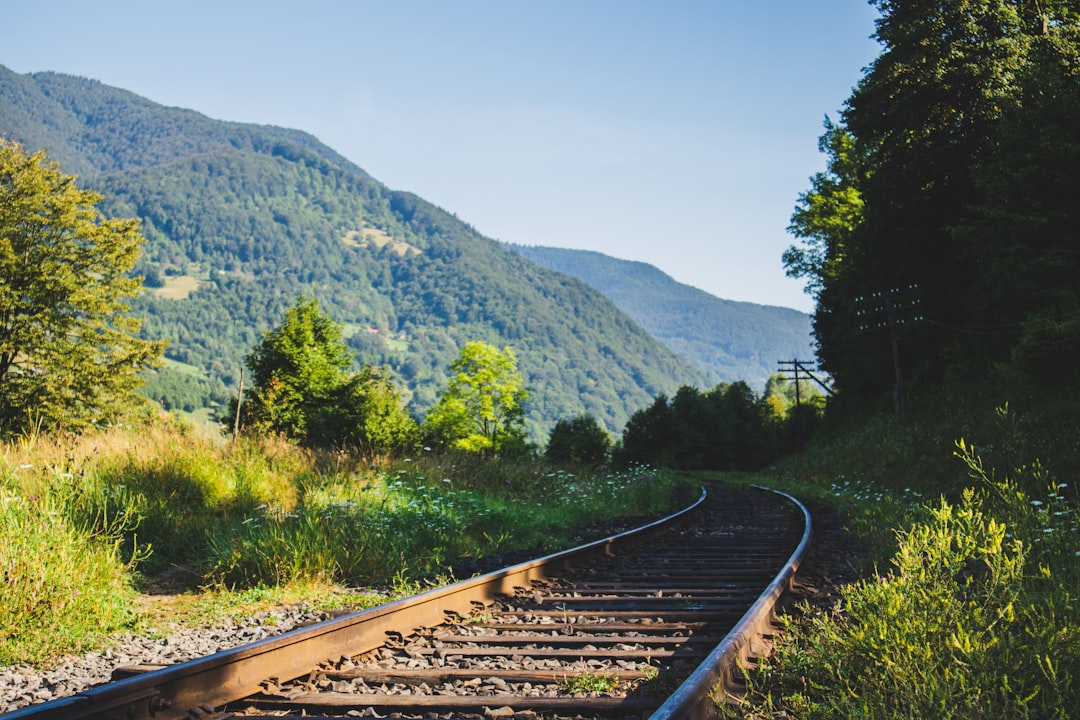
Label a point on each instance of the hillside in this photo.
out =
(725, 339)
(240, 219)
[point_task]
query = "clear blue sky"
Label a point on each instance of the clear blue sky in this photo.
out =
(676, 132)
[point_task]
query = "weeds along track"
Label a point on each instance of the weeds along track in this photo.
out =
(642, 624)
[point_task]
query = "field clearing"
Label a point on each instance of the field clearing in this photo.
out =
(368, 236)
(183, 367)
(179, 287)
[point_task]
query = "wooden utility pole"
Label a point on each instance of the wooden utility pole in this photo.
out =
(808, 370)
(891, 309)
(239, 399)
(794, 367)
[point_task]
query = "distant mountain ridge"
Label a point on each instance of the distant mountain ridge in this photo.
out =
(240, 219)
(726, 339)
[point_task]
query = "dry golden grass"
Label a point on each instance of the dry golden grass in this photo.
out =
(370, 236)
(178, 287)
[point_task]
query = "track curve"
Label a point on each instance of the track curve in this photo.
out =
(644, 623)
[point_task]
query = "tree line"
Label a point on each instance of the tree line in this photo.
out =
(940, 244)
(71, 357)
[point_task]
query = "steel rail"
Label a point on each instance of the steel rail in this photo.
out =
(195, 688)
(693, 700)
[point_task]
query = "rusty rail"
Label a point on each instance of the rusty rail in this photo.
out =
(197, 688)
(693, 699)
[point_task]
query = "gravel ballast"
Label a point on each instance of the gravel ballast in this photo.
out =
(22, 685)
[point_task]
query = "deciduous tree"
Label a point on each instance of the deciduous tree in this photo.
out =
(69, 351)
(295, 369)
(483, 406)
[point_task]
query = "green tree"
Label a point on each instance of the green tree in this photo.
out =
(483, 406)
(303, 389)
(69, 355)
(953, 171)
(648, 435)
(296, 369)
(366, 412)
(579, 441)
(827, 214)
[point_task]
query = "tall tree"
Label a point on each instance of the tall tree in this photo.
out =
(962, 134)
(1023, 232)
(69, 354)
(928, 107)
(483, 406)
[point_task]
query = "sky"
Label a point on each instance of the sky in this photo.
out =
(679, 133)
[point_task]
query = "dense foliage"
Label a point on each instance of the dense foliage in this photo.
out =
(967, 605)
(727, 427)
(946, 220)
(482, 409)
(69, 351)
(303, 389)
(242, 219)
(578, 441)
(940, 244)
(727, 340)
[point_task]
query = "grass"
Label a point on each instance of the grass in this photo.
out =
(178, 287)
(415, 517)
(972, 610)
(87, 521)
(589, 682)
(66, 584)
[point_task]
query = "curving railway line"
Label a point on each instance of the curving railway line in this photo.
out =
(642, 624)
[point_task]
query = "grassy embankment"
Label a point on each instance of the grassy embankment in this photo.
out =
(972, 610)
(86, 522)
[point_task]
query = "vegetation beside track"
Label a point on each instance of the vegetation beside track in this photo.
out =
(86, 521)
(971, 610)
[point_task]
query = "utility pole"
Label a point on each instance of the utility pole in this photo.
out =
(239, 399)
(892, 309)
(794, 367)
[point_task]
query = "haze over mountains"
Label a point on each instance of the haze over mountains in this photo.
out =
(240, 219)
(725, 339)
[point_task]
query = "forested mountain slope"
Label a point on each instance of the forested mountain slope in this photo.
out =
(726, 339)
(241, 219)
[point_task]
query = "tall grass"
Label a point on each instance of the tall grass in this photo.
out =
(975, 616)
(413, 519)
(65, 584)
(84, 520)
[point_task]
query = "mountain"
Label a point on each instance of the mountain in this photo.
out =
(725, 339)
(240, 219)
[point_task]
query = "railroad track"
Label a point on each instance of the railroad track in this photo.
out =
(642, 624)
